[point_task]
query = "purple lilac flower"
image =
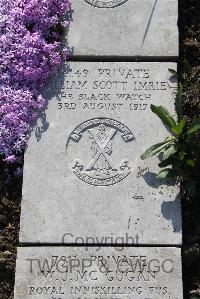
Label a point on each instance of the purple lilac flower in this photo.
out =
(30, 52)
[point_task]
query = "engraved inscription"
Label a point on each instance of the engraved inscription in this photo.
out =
(79, 272)
(100, 275)
(101, 169)
(106, 89)
(105, 3)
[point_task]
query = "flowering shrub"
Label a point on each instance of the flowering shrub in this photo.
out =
(30, 52)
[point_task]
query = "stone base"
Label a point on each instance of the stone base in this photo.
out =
(108, 272)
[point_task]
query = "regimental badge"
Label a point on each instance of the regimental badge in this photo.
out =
(101, 168)
(105, 3)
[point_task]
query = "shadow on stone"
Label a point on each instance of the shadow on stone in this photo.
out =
(42, 126)
(171, 211)
(149, 22)
(52, 90)
(152, 180)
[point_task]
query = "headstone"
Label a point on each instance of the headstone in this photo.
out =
(85, 188)
(145, 28)
(60, 273)
(83, 176)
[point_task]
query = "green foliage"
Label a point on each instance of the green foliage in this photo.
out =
(164, 115)
(153, 150)
(179, 151)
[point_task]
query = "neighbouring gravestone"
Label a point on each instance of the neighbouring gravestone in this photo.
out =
(124, 28)
(74, 273)
(84, 180)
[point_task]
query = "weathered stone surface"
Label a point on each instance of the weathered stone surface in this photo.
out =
(70, 272)
(83, 176)
(135, 28)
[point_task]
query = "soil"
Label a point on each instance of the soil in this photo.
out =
(10, 198)
(189, 24)
(10, 193)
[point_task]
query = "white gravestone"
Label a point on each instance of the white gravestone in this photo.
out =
(84, 180)
(145, 28)
(106, 273)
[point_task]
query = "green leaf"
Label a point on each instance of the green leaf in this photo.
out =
(190, 163)
(170, 151)
(166, 173)
(186, 66)
(163, 174)
(180, 87)
(179, 104)
(153, 150)
(178, 129)
(166, 163)
(164, 115)
(195, 126)
(171, 161)
(173, 72)
(182, 155)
